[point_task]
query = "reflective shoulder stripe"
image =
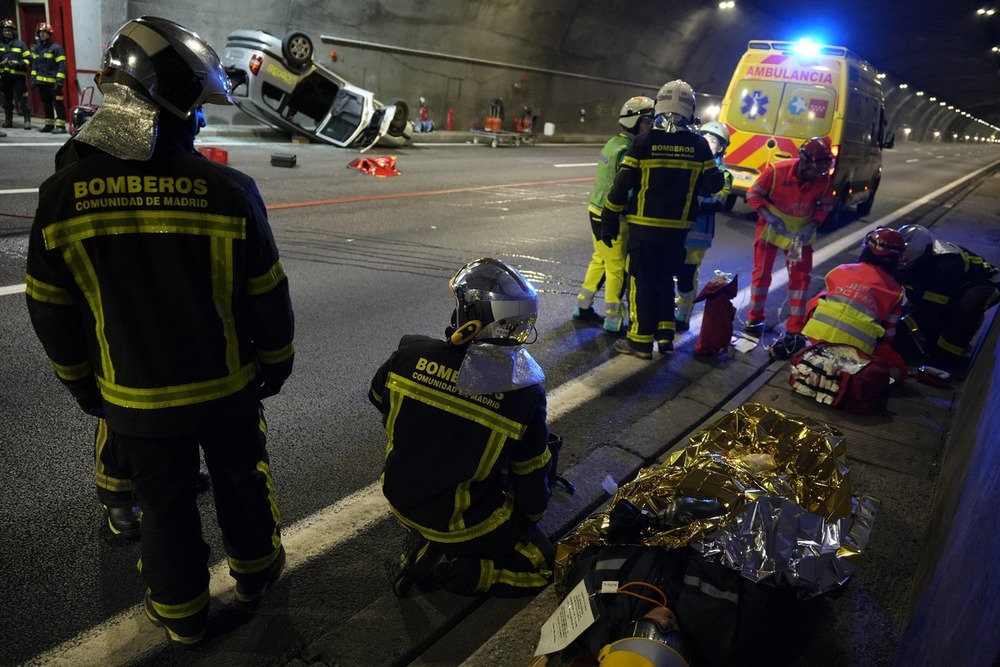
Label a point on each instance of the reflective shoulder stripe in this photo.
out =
(265, 283)
(46, 293)
(87, 226)
(456, 405)
(154, 398)
(935, 297)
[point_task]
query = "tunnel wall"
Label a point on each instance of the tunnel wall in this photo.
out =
(573, 62)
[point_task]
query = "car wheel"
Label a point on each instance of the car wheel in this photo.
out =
(297, 49)
(400, 118)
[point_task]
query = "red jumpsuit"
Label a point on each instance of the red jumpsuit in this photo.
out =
(801, 206)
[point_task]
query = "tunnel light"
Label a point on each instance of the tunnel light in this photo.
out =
(880, 75)
(711, 112)
(942, 104)
(932, 99)
(904, 86)
(727, 4)
(920, 93)
(985, 11)
(995, 49)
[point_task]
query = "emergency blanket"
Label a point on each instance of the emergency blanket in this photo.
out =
(788, 514)
(717, 320)
(382, 166)
(841, 376)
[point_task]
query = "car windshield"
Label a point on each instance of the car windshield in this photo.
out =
(345, 116)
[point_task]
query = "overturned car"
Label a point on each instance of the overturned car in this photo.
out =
(277, 82)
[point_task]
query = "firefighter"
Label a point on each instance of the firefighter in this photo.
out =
(657, 187)
(861, 304)
(48, 77)
(792, 198)
(466, 469)
(15, 62)
(607, 265)
(156, 289)
(948, 289)
(699, 238)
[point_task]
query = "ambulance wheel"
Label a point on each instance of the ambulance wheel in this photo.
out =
(865, 207)
(838, 216)
(730, 203)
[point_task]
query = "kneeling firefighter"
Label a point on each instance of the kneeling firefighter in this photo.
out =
(467, 464)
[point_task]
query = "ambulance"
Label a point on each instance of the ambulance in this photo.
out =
(783, 93)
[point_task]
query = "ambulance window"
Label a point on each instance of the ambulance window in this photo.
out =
(754, 107)
(806, 111)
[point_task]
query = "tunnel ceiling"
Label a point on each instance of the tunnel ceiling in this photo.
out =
(942, 48)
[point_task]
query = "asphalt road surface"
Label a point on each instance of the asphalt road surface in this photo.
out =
(368, 260)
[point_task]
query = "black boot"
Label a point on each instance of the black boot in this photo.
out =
(27, 122)
(123, 521)
(8, 121)
(46, 128)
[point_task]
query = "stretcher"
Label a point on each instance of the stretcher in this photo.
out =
(502, 137)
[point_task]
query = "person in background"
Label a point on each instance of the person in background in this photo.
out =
(657, 188)
(792, 198)
(48, 77)
(467, 464)
(948, 289)
(607, 265)
(15, 62)
(861, 304)
(165, 310)
(699, 238)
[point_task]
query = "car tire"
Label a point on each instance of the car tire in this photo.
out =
(398, 125)
(297, 50)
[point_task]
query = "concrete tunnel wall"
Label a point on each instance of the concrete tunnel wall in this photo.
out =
(573, 62)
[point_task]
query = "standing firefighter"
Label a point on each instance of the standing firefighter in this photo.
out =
(948, 288)
(607, 265)
(48, 77)
(657, 187)
(467, 464)
(15, 61)
(792, 198)
(155, 286)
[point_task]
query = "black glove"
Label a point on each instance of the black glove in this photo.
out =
(610, 226)
(268, 389)
(94, 408)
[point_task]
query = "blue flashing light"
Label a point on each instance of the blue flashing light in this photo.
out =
(806, 47)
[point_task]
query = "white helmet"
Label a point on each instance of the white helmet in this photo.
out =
(634, 109)
(919, 241)
(719, 130)
(676, 97)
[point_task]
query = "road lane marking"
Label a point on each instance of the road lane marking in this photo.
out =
(129, 635)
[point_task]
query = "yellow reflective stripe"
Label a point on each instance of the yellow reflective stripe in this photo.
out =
(456, 405)
(103, 480)
(934, 297)
(948, 347)
(276, 356)
(87, 226)
(532, 464)
(73, 372)
(86, 279)
(500, 516)
(154, 398)
(183, 610)
(266, 282)
(463, 499)
(46, 293)
(222, 296)
(486, 575)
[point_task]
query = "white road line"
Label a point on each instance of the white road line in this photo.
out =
(19, 191)
(128, 636)
(573, 165)
(12, 289)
